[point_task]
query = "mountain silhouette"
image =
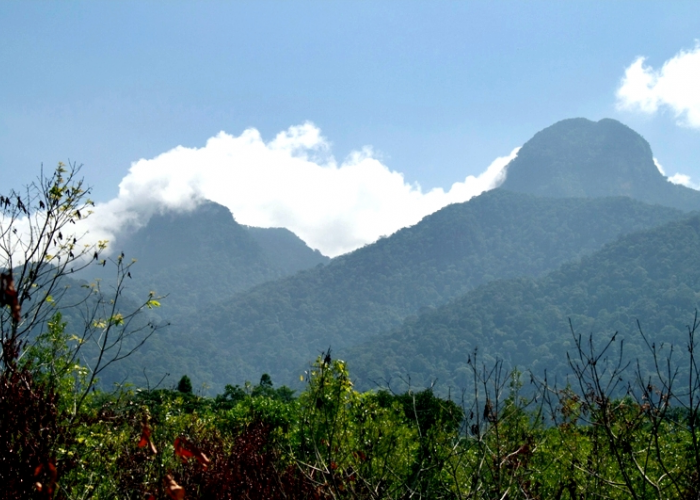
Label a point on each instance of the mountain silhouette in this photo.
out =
(582, 158)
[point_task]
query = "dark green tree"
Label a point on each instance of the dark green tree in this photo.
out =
(185, 385)
(265, 381)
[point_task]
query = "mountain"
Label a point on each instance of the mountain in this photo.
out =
(202, 255)
(582, 158)
(652, 276)
(285, 249)
(568, 193)
(279, 326)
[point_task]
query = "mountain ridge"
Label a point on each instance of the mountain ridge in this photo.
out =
(204, 253)
(278, 326)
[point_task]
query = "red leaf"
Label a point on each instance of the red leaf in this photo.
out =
(185, 449)
(174, 490)
(8, 295)
(52, 478)
(181, 448)
(146, 439)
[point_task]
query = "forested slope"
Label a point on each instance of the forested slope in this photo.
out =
(285, 250)
(651, 276)
(197, 257)
(279, 326)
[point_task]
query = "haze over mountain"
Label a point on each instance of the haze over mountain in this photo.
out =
(581, 158)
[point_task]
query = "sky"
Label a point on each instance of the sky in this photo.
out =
(343, 121)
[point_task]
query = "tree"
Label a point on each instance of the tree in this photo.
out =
(185, 385)
(41, 249)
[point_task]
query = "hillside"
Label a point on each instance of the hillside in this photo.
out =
(651, 276)
(581, 158)
(200, 256)
(279, 326)
(285, 250)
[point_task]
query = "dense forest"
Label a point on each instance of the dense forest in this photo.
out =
(498, 235)
(525, 229)
(651, 277)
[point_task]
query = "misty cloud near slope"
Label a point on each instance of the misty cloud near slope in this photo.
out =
(292, 181)
(674, 86)
(682, 179)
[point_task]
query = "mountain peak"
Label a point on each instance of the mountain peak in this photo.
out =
(582, 158)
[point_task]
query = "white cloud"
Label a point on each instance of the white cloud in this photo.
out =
(682, 179)
(661, 169)
(292, 181)
(674, 86)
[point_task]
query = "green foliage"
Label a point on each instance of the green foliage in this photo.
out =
(360, 447)
(231, 396)
(185, 385)
(46, 374)
(265, 389)
(425, 410)
(335, 442)
(52, 359)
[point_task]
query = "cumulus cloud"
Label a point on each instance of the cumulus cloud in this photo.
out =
(682, 179)
(674, 86)
(292, 181)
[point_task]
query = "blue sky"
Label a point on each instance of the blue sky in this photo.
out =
(437, 90)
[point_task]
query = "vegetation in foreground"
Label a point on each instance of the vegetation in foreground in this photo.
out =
(503, 440)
